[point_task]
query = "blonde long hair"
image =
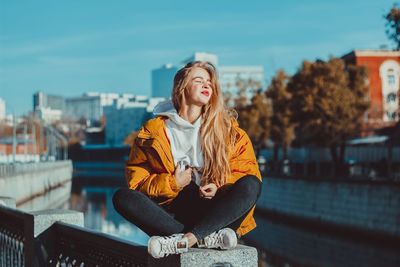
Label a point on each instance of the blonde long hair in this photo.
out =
(216, 132)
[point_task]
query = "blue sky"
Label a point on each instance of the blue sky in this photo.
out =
(71, 47)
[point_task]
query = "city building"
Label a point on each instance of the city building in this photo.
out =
(125, 117)
(202, 56)
(49, 108)
(2, 109)
(83, 107)
(49, 115)
(383, 77)
(25, 150)
(232, 78)
(162, 80)
(107, 99)
(42, 100)
(90, 106)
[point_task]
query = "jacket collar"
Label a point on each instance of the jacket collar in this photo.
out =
(153, 135)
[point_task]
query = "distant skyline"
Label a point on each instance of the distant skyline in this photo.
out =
(71, 47)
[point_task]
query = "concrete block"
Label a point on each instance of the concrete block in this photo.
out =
(45, 218)
(237, 257)
(9, 202)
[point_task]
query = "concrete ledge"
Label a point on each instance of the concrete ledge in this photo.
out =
(26, 181)
(45, 218)
(237, 257)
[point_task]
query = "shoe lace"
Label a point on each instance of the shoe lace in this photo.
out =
(215, 239)
(168, 244)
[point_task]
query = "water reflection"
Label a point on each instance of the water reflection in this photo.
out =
(99, 213)
(56, 198)
(281, 244)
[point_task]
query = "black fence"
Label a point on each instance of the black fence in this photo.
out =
(16, 238)
(74, 246)
(61, 245)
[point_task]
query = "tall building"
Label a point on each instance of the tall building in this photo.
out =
(162, 80)
(87, 107)
(49, 115)
(107, 99)
(125, 117)
(42, 100)
(202, 56)
(2, 109)
(232, 78)
(39, 100)
(91, 105)
(384, 81)
(48, 107)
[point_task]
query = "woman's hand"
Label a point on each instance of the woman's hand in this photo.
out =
(182, 176)
(208, 191)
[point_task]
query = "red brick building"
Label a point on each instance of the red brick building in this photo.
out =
(6, 149)
(384, 78)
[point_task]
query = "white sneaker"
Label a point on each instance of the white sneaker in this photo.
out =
(224, 239)
(161, 246)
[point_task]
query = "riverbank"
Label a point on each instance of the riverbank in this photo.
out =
(27, 181)
(370, 208)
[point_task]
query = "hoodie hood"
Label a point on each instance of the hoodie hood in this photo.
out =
(184, 138)
(167, 109)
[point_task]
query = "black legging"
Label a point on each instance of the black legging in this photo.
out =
(188, 212)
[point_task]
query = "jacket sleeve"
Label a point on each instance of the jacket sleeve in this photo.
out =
(243, 160)
(140, 176)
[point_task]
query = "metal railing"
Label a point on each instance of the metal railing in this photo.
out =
(16, 238)
(76, 246)
(359, 154)
(61, 245)
(367, 171)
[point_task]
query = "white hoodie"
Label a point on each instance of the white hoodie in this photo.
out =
(184, 138)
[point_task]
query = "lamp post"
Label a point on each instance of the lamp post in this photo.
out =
(14, 139)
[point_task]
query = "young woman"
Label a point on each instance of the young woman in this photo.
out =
(192, 174)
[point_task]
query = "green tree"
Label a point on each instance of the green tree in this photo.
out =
(393, 25)
(282, 127)
(329, 100)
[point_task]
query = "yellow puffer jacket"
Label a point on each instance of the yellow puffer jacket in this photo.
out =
(150, 167)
